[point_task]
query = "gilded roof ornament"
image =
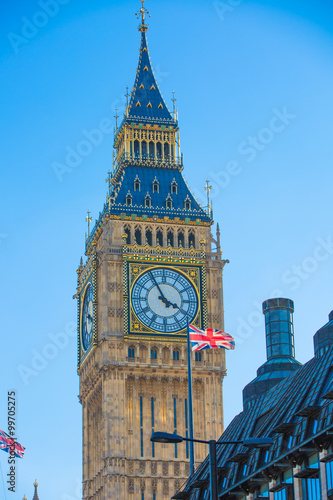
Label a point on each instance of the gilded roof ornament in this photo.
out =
(143, 13)
(208, 188)
(88, 219)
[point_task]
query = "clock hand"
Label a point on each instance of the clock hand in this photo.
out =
(162, 296)
(175, 306)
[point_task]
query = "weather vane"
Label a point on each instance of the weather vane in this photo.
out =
(143, 12)
(208, 188)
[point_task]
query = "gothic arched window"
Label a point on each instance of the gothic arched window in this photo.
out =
(170, 238)
(198, 356)
(156, 186)
(147, 200)
(191, 240)
(129, 199)
(151, 149)
(181, 239)
(128, 235)
(136, 149)
(153, 353)
(149, 237)
(137, 184)
(168, 202)
(187, 203)
(131, 353)
(144, 149)
(166, 150)
(138, 236)
(159, 237)
(174, 187)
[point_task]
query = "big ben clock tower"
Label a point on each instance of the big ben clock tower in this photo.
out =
(149, 269)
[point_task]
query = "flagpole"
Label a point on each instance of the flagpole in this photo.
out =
(190, 401)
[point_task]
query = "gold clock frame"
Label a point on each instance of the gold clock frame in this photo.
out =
(134, 329)
(84, 279)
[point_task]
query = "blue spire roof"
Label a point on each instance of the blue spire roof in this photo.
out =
(147, 104)
(164, 177)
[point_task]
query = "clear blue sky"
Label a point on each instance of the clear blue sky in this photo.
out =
(234, 69)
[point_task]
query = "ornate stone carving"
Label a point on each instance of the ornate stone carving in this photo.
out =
(114, 287)
(119, 313)
(131, 486)
(165, 487)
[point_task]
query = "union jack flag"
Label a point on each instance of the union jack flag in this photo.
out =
(208, 339)
(9, 445)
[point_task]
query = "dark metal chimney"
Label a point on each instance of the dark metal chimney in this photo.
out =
(280, 348)
(279, 328)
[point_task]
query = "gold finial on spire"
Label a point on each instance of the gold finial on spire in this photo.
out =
(116, 117)
(143, 12)
(127, 95)
(36, 484)
(174, 100)
(88, 219)
(109, 179)
(208, 188)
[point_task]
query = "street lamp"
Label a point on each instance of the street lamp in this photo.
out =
(165, 437)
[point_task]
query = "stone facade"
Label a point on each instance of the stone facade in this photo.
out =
(118, 461)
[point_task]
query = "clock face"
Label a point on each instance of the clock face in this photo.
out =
(87, 317)
(164, 299)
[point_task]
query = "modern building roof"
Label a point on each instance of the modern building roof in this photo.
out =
(297, 413)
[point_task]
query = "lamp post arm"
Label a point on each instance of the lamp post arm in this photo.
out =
(207, 442)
